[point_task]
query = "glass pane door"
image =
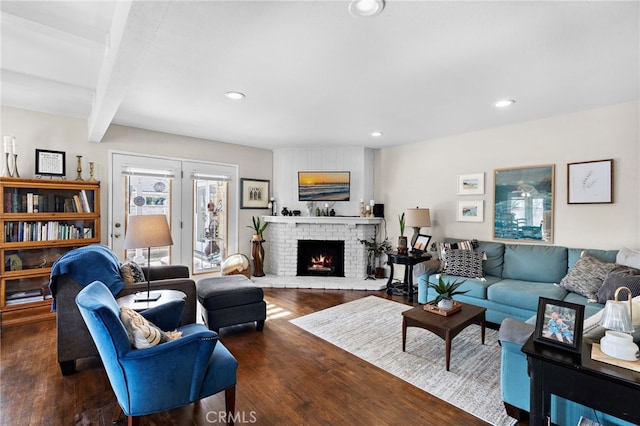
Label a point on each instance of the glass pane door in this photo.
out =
(210, 223)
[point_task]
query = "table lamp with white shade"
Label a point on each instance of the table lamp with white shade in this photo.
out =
(617, 319)
(150, 230)
(417, 218)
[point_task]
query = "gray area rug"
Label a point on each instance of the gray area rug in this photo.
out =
(371, 328)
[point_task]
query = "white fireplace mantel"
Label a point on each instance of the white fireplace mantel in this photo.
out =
(324, 220)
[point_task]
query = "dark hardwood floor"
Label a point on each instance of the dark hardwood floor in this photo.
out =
(286, 376)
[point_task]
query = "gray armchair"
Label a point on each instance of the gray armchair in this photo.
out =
(74, 340)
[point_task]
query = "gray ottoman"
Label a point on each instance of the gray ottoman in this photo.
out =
(231, 300)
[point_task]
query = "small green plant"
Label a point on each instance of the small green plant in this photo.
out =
(376, 248)
(258, 227)
(446, 290)
(401, 219)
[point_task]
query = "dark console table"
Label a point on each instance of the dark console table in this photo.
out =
(409, 260)
(604, 387)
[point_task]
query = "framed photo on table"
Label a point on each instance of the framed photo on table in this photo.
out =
(50, 163)
(422, 243)
(254, 193)
(590, 182)
(559, 324)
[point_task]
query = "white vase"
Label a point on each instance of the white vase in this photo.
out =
(445, 304)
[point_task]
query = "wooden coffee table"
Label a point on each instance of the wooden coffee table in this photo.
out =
(445, 327)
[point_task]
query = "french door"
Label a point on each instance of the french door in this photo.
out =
(198, 198)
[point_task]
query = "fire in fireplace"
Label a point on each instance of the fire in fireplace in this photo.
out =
(320, 257)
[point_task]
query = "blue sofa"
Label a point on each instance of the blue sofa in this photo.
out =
(516, 276)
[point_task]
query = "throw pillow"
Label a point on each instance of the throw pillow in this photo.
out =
(628, 257)
(460, 245)
(620, 276)
(132, 272)
(143, 333)
(586, 276)
(464, 263)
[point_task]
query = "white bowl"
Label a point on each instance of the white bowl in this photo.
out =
(619, 345)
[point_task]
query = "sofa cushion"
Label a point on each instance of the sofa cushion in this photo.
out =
(494, 259)
(476, 287)
(523, 294)
(604, 255)
(464, 263)
(536, 263)
(451, 244)
(590, 308)
(619, 276)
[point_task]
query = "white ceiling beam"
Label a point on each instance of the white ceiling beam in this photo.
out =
(134, 27)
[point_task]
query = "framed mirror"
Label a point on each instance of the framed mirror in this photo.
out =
(523, 200)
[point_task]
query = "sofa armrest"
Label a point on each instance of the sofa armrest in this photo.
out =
(163, 272)
(514, 331)
(187, 286)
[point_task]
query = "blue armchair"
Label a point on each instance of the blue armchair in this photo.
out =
(163, 377)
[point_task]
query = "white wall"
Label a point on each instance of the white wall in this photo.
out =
(425, 174)
(287, 162)
(39, 130)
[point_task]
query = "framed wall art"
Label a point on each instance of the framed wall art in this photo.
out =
(324, 186)
(590, 182)
(559, 324)
(50, 163)
(254, 193)
(523, 207)
(471, 211)
(471, 184)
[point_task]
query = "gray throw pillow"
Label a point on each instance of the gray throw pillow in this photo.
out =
(586, 276)
(620, 276)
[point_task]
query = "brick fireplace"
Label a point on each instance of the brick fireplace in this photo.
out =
(284, 233)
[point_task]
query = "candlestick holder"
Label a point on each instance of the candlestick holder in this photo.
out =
(91, 171)
(79, 169)
(15, 166)
(6, 169)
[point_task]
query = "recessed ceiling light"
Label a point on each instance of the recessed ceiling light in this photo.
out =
(504, 103)
(366, 8)
(234, 95)
(376, 134)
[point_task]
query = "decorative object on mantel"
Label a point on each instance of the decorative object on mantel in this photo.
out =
(79, 168)
(402, 240)
(446, 291)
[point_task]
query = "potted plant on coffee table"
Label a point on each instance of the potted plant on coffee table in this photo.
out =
(446, 291)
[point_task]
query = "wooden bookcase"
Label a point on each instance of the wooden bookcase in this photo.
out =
(41, 220)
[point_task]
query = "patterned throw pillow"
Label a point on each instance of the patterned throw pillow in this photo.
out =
(586, 276)
(132, 272)
(460, 245)
(464, 263)
(620, 276)
(143, 333)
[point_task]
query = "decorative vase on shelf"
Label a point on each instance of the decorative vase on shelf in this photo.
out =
(257, 252)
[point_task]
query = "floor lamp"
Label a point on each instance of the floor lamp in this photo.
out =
(151, 230)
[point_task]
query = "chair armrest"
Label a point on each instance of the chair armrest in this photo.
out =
(514, 331)
(166, 316)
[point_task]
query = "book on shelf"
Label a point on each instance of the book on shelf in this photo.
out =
(29, 202)
(85, 201)
(77, 203)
